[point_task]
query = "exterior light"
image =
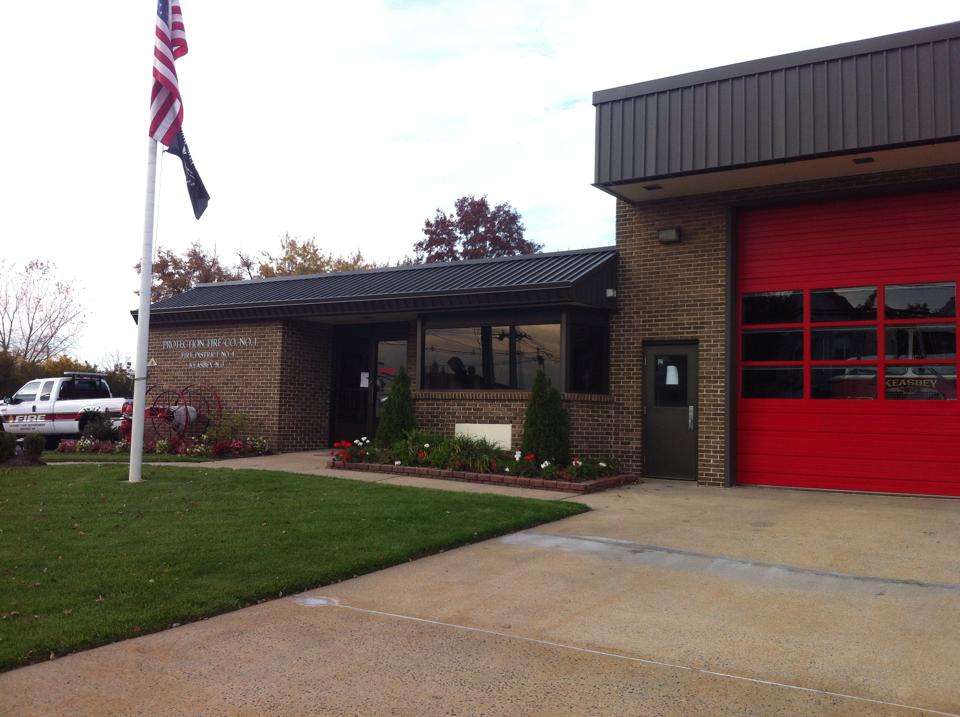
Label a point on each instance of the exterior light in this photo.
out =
(652, 187)
(669, 236)
(611, 293)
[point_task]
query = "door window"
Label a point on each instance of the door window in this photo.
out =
(670, 380)
(45, 391)
(28, 392)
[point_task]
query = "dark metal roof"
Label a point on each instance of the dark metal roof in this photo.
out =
(565, 277)
(883, 92)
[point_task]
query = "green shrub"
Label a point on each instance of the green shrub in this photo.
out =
(33, 446)
(546, 427)
(231, 427)
(396, 418)
(98, 426)
(472, 454)
(8, 446)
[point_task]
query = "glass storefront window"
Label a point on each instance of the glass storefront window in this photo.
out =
(589, 358)
(490, 357)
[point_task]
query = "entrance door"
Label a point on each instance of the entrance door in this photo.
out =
(366, 362)
(670, 422)
(351, 396)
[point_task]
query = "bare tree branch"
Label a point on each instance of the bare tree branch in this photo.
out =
(40, 317)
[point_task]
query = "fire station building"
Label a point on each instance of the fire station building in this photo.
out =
(779, 307)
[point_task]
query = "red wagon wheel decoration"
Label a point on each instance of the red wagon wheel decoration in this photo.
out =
(168, 414)
(203, 408)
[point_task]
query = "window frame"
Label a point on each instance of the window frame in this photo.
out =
(881, 324)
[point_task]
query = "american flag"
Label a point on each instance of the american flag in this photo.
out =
(166, 109)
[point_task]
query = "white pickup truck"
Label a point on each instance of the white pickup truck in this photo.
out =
(59, 406)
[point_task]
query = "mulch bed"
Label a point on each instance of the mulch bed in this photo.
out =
(590, 486)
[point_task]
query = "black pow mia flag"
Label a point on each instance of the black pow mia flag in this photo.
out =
(198, 193)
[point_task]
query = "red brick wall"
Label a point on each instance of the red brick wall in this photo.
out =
(678, 293)
(281, 382)
(440, 411)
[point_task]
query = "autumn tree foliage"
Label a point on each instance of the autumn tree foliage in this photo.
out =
(174, 273)
(298, 257)
(474, 230)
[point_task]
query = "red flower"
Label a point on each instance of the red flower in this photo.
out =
(529, 457)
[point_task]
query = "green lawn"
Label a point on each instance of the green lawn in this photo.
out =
(87, 558)
(54, 457)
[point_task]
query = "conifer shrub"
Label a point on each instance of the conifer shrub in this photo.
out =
(396, 418)
(546, 427)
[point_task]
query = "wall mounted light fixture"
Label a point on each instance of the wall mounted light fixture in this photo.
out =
(669, 236)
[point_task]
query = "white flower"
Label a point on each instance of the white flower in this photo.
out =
(426, 445)
(506, 470)
(357, 442)
(545, 464)
(396, 463)
(517, 456)
(576, 462)
(602, 464)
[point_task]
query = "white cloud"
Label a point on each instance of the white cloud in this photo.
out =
(350, 121)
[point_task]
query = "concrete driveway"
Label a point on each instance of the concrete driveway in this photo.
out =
(665, 599)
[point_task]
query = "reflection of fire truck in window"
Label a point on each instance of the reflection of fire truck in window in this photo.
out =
(921, 382)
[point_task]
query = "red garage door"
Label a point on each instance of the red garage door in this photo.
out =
(847, 345)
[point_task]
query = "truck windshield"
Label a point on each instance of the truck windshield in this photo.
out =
(83, 388)
(28, 392)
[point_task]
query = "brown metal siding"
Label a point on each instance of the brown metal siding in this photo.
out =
(866, 101)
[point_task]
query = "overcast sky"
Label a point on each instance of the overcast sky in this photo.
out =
(349, 121)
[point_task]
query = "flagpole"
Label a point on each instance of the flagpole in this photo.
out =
(143, 318)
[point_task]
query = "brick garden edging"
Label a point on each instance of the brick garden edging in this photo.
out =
(590, 486)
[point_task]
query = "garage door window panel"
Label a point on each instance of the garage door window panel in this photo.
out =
(772, 382)
(859, 382)
(921, 342)
(921, 383)
(844, 344)
(773, 345)
(920, 301)
(773, 307)
(843, 305)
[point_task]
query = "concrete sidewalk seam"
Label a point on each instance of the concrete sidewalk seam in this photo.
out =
(333, 602)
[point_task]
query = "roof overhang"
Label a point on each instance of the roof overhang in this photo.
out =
(807, 115)
(779, 172)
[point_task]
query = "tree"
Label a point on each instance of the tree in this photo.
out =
(546, 426)
(174, 273)
(473, 231)
(396, 418)
(299, 257)
(40, 316)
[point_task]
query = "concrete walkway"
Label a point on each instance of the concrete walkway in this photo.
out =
(314, 462)
(665, 599)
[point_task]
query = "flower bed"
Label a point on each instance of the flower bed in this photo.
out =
(203, 447)
(586, 486)
(474, 460)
